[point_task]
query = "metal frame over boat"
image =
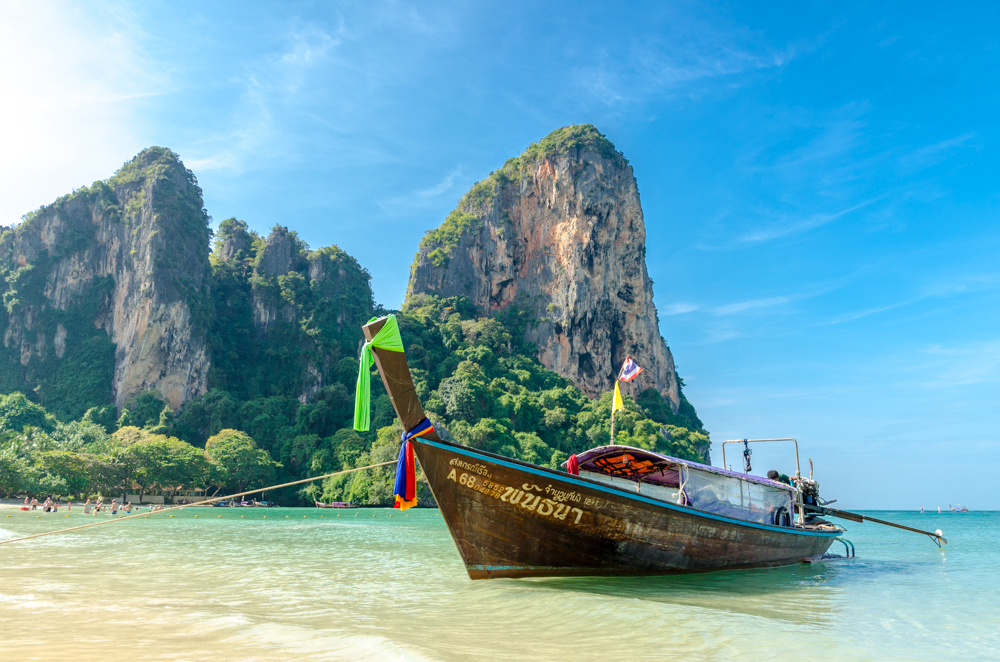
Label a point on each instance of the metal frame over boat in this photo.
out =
(510, 518)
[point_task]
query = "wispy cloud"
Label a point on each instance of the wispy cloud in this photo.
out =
(431, 196)
(273, 87)
(743, 306)
(930, 155)
(726, 309)
(670, 60)
(859, 314)
(788, 226)
(679, 309)
(442, 187)
(970, 363)
(954, 287)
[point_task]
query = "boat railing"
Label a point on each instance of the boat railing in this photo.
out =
(799, 504)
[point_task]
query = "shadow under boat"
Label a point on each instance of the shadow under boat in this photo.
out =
(510, 518)
(800, 594)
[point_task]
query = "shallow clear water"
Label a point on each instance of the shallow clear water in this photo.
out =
(346, 588)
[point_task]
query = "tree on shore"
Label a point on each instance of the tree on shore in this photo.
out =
(239, 464)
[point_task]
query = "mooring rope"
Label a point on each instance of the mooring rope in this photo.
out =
(199, 503)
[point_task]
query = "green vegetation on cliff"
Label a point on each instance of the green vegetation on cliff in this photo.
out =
(480, 385)
(284, 316)
(59, 351)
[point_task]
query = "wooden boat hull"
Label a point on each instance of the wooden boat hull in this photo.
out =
(514, 519)
(334, 505)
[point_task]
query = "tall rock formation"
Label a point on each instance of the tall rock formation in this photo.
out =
(285, 315)
(105, 291)
(559, 233)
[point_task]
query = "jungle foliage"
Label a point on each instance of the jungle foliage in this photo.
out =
(80, 459)
(480, 384)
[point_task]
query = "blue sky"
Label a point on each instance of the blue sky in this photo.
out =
(819, 180)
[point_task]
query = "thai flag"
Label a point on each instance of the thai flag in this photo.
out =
(629, 370)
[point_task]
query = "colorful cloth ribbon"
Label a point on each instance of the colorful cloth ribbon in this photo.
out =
(573, 465)
(405, 489)
(419, 430)
(387, 338)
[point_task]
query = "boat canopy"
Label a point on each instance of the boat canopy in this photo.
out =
(702, 486)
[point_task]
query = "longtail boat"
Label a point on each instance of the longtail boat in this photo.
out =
(623, 510)
(335, 504)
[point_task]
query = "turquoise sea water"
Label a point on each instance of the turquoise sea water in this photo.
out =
(375, 587)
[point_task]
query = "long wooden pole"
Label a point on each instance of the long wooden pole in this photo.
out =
(937, 537)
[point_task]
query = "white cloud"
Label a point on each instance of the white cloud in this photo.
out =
(679, 309)
(427, 197)
(971, 363)
(665, 63)
(929, 155)
(744, 306)
(444, 186)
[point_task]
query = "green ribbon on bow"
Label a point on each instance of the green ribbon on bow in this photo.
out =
(387, 338)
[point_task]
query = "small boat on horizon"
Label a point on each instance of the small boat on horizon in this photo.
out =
(336, 504)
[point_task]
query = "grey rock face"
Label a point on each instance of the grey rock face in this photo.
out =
(559, 233)
(146, 231)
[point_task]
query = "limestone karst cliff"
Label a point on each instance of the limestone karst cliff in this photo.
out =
(104, 288)
(110, 291)
(558, 232)
(285, 316)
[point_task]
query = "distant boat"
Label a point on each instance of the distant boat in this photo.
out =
(335, 504)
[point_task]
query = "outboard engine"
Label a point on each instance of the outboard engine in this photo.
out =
(810, 498)
(810, 491)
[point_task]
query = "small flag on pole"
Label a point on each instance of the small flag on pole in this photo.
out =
(617, 404)
(630, 370)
